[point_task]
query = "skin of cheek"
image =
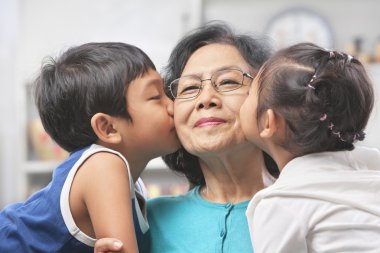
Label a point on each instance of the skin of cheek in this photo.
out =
(248, 118)
(208, 139)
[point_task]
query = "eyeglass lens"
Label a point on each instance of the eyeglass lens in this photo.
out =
(223, 81)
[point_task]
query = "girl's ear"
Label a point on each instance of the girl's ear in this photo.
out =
(271, 124)
(104, 127)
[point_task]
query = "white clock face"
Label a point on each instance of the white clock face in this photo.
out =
(299, 25)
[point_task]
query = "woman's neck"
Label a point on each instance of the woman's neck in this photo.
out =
(232, 178)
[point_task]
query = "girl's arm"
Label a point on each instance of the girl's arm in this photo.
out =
(104, 190)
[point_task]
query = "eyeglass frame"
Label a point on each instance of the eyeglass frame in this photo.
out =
(244, 74)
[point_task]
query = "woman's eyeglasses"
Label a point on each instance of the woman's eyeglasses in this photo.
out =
(226, 80)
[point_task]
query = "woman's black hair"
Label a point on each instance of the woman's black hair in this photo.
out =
(83, 81)
(255, 52)
(325, 98)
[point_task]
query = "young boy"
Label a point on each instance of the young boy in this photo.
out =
(306, 108)
(105, 104)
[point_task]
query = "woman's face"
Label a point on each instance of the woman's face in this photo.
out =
(210, 122)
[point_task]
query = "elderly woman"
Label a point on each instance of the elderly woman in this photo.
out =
(208, 76)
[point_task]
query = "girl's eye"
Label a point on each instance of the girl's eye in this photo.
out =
(157, 97)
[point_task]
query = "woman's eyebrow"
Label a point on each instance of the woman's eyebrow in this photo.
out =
(198, 74)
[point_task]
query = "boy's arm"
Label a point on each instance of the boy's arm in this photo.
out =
(105, 189)
(106, 245)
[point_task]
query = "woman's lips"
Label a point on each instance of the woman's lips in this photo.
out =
(211, 121)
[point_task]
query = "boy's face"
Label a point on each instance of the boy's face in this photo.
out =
(248, 113)
(152, 129)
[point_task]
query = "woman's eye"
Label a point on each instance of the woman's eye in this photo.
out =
(228, 82)
(190, 89)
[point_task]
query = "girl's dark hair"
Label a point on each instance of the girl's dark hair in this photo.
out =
(325, 98)
(83, 81)
(255, 51)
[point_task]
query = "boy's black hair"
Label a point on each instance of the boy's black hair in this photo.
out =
(83, 81)
(325, 98)
(255, 52)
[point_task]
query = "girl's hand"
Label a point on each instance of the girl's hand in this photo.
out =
(107, 245)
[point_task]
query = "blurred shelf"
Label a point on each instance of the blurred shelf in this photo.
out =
(39, 166)
(373, 67)
(157, 164)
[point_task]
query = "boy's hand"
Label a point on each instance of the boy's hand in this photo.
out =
(106, 245)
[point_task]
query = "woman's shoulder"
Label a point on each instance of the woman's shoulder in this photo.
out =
(171, 203)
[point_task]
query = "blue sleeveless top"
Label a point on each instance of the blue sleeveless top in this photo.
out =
(44, 223)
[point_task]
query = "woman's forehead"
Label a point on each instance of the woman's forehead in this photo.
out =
(213, 57)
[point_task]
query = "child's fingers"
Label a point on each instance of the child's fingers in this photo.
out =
(105, 245)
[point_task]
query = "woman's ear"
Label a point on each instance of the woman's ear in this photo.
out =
(104, 127)
(271, 124)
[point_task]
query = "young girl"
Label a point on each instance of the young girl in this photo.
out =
(105, 104)
(306, 108)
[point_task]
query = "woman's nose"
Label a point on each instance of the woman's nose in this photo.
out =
(208, 97)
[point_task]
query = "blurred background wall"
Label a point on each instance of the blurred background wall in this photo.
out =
(33, 29)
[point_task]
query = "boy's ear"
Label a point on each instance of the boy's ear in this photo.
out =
(270, 124)
(104, 127)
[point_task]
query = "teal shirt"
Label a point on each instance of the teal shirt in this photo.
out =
(188, 223)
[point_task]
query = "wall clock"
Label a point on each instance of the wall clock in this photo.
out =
(298, 24)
